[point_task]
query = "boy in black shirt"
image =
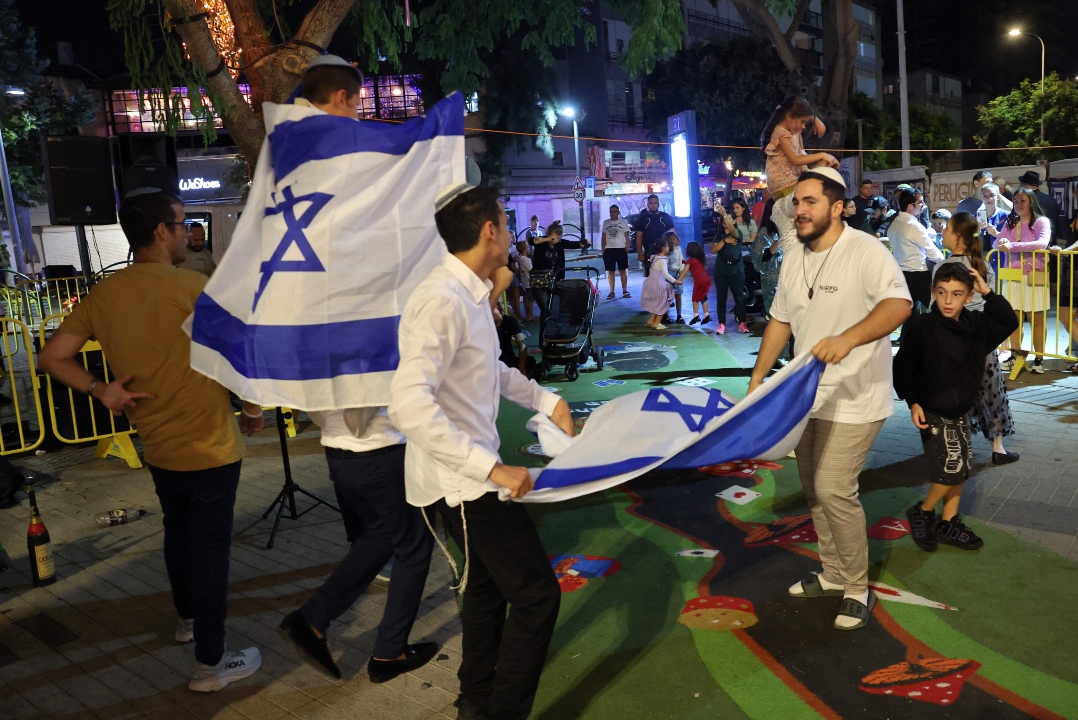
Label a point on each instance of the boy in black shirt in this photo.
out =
(938, 372)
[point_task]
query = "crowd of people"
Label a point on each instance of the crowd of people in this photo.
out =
(829, 288)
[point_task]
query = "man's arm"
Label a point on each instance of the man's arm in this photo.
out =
(927, 241)
(57, 359)
(776, 336)
(884, 319)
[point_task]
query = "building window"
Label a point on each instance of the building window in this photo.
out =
(630, 106)
(558, 161)
(866, 85)
(621, 46)
(133, 110)
(606, 36)
(471, 103)
(935, 83)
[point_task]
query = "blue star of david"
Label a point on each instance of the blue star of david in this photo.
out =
(293, 234)
(660, 400)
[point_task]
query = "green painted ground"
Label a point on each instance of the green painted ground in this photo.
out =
(619, 652)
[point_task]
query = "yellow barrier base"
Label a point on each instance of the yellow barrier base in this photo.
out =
(118, 446)
(1019, 363)
(289, 421)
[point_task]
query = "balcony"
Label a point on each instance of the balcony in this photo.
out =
(865, 63)
(868, 32)
(716, 24)
(626, 120)
(812, 24)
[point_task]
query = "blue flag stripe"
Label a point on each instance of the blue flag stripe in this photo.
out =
(321, 137)
(297, 352)
(752, 432)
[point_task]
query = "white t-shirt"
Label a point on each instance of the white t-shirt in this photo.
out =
(615, 232)
(850, 279)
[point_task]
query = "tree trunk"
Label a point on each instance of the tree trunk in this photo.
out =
(243, 125)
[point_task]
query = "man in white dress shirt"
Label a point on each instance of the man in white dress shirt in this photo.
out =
(913, 245)
(365, 454)
(840, 295)
(444, 398)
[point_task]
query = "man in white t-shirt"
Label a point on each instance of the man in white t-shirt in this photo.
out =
(913, 246)
(840, 295)
(615, 253)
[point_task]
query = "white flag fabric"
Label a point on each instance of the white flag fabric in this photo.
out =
(339, 228)
(674, 428)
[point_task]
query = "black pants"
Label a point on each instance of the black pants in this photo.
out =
(503, 655)
(734, 283)
(380, 524)
(197, 506)
(920, 285)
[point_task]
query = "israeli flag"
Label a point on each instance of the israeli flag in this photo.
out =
(675, 428)
(338, 230)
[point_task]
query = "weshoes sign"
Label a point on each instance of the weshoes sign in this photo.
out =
(199, 184)
(202, 178)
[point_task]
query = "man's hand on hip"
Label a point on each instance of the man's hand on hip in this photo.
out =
(514, 478)
(115, 397)
(563, 418)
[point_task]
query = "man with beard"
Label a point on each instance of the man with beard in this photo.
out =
(841, 295)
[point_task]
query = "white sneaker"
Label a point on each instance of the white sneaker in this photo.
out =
(234, 665)
(185, 631)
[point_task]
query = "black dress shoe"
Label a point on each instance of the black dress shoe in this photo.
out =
(298, 630)
(415, 656)
(1004, 458)
(468, 709)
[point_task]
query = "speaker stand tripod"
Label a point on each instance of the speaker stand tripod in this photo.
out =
(288, 492)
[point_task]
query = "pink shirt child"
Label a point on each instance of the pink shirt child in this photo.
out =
(1024, 240)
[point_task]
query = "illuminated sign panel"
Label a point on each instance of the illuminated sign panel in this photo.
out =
(679, 165)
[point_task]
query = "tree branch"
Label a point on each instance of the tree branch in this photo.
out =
(835, 88)
(323, 20)
(799, 15)
(242, 124)
(761, 21)
(251, 34)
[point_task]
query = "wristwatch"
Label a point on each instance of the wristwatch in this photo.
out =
(91, 386)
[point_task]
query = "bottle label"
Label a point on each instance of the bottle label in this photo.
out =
(46, 568)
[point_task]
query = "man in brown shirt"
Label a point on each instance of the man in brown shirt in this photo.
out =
(192, 442)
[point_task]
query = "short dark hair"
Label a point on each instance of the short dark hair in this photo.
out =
(981, 174)
(833, 191)
(652, 195)
(615, 207)
(535, 217)
(867, 182)
(141, 214)
(907, 198)
(953, 271)
(460, 222)
(196, 226)
(319, 83)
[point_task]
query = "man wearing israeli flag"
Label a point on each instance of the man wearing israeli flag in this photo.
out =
(444, 398)
(365, 454)
(841, 295)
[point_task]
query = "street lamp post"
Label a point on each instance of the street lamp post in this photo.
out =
(570, 113)
(1015, 32)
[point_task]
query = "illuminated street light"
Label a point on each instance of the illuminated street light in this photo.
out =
(17, 92)
(568, 112)
(1016, 32)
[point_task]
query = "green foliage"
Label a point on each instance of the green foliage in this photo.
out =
(733, 86)
(1013, 120)
(155, 59)
(657, 26)
(44, 108)
(882, 130)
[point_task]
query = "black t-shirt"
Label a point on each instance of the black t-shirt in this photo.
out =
(507, 330)
(548, 257)
(863, 206)
(653, 225)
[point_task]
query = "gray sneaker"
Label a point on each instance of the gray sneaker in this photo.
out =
(234, 665)
(185, 631)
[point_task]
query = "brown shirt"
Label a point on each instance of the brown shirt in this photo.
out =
(136, 314)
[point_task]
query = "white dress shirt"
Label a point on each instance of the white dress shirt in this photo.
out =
(912, 243)
(357, 429)
(445, 393)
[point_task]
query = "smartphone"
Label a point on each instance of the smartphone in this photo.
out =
(982, 215)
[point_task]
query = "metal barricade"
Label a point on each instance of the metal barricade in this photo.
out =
(21, 419)
(42, 300)
(1040, 287)
(82, 418)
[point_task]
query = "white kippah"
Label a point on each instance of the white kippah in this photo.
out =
(830, 173)
(450, 194)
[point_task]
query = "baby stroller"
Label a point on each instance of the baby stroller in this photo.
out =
(566, 336)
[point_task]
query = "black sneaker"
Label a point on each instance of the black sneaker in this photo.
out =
(695, 319)
(922, 527)
(296, 628)
(955, 532)
(706, 320)
(415, 656)
(679, 320)
(1004, 458)
(468, 709)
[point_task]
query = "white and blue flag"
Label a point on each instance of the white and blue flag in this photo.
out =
(338, 230)
(675, 428)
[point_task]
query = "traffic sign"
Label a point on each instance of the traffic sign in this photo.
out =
(578, 195)
(589, 182)
(578, 185)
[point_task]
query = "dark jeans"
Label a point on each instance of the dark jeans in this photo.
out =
(503, 655)
(920, 285)
(197, 506)
(381, 525)
(730, 283)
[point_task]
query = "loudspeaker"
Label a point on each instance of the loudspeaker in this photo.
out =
(78, 180)
(146, 160)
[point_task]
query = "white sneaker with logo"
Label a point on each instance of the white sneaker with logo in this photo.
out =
(234, 665)
(185, 631)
